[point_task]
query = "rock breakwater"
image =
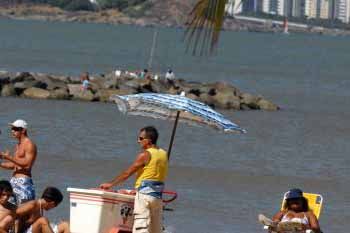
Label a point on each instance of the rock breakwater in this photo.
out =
(101, 87)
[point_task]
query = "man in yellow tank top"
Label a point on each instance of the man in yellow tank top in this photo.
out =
(151, 169)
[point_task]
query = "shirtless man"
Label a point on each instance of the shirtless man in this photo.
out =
(21, 163)
(33, 212)
(6, 213)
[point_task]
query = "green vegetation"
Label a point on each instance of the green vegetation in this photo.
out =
(134, 6)
(72, 5)
(119, 4)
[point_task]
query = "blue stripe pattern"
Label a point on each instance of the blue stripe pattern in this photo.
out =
(165, 106)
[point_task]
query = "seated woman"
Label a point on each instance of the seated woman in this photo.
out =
(295, 215)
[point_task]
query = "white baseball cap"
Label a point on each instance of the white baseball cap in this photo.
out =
(20, 124)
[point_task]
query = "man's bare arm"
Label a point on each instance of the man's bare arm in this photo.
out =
(27, 160)
(25, 209)
(314, 225)
(6, 223)
(140, 161)
(277, 217)
(7, 165)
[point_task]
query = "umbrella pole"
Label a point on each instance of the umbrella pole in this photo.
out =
(173, 134)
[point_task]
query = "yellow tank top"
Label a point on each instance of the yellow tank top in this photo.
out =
(156, 169)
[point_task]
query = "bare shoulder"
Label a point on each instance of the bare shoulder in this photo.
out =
(145, 156)
(4, 211)
(278, 216)
(29, 144)
(310, 214)
(27, 208)
(28, 204)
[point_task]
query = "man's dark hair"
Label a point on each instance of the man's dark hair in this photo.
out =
(5, 186)
(52, 194)
(151, 133)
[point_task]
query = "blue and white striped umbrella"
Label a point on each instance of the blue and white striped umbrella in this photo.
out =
(174, 107)
(165, 106)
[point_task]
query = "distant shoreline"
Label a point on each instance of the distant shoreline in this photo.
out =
(115, 17)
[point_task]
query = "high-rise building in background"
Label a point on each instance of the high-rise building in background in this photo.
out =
(280, 7)
(250, 5)
(297, 8)
(321, 9)
(265, 6)
(342, 8)
(310, 8)
(332, 9)
(233, 7)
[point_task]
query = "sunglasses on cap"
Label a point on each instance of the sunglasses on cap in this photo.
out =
(16, 128)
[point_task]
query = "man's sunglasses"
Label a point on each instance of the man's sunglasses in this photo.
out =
(141, 138)
(16, 128)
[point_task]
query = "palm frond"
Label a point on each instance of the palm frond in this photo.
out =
(204, 25)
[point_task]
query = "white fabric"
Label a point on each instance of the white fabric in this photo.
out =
(20, 124)
(147, 214)
(303, 220)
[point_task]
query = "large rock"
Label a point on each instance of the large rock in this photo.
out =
(250, 101)
(73, 79)
(51, 83)
(96, 84)
(226, 87)
(76, 92)
(85, 95)
(207, 89)
(159, 86)
(207, 99)
(104, 95)
(22, 76)
(267, 105)
(36, 93)
(4, 74)
(135, 85)
(20, 86)
(110, 83)
(4, 80)
(173, 91)
(192, 96)
(227, 100)
(131, 84)
(74, 89)
(8, 90)
(60, 94)
(63, 78)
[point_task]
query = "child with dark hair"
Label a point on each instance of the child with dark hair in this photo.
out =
(6, 212)
(33, 212)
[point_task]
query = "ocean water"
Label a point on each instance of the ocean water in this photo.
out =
(223, 181)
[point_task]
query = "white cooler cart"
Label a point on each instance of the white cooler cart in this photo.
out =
(99, 211)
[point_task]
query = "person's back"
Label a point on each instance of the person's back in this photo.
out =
(170, 75)
(156, 169)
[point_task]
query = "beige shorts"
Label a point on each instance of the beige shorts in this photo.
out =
(147, 214)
